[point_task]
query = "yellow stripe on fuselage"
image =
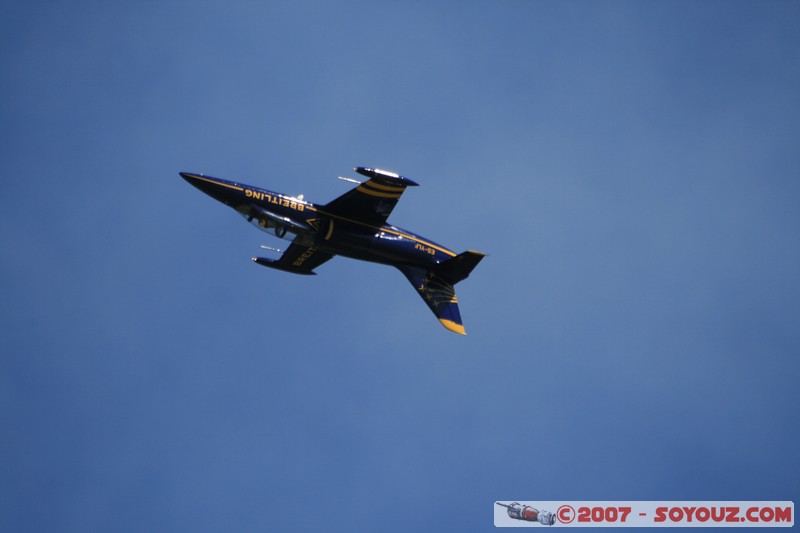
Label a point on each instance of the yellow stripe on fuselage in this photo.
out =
(385, 229)
(217, 183)
(417, 239)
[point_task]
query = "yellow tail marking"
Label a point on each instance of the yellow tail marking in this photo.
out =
(452, 326)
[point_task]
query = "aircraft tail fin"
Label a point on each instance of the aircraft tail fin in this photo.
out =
(438, 294)
(459, 267)
(435, 286)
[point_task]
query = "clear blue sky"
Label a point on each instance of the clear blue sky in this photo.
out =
(631, 168)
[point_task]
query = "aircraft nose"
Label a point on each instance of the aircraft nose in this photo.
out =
(197, 180)
(189, 177)
(218, 189)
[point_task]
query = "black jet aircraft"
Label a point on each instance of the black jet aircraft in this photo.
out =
(353, 225)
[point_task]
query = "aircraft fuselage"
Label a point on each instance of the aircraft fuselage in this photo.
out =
(313, 226)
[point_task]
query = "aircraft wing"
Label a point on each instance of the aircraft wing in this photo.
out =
(438, 294)
(373, 200)
(297, 259)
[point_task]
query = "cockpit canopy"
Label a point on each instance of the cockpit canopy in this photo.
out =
(266, 222)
